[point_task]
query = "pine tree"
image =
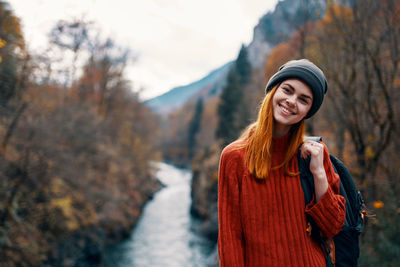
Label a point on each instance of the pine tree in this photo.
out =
(243, 67)
(232, 109)
(227, 109)
(194, 128)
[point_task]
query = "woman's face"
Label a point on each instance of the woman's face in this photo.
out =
(290, 104)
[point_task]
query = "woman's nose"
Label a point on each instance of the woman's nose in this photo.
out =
(291, 100)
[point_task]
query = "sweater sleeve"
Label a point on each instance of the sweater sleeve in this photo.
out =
(329, 212)
(230, 236)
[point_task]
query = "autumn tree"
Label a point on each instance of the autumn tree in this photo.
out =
(102, 79)
(175, 137)
(362, 72)
(360, 57)
(12, 48)
(70, 40)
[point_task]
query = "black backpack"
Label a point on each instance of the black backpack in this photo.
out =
(347, 248)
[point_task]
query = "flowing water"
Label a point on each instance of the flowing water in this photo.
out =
(164, 235)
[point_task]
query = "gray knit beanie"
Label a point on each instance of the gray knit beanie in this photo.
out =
(309, 73)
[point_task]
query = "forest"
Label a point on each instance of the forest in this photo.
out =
(76, 149)
(77, 145)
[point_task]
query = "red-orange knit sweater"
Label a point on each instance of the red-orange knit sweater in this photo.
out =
(263, 222)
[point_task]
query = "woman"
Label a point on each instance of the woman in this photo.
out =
(262, 213)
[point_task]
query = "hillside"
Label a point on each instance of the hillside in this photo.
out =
(206, 87)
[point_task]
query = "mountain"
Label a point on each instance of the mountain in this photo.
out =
(278, 25)
(206, 87)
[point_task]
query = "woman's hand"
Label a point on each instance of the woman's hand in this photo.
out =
(316, 151)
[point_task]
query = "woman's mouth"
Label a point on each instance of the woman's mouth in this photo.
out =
(286, 110)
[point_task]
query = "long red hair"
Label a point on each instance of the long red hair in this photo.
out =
(258, 141)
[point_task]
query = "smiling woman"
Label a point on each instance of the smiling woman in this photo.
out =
(262, 215)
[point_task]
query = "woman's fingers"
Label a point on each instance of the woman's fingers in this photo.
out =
(311, 148)
(316, 151)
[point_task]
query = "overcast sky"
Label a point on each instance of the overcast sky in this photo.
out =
(177, 41)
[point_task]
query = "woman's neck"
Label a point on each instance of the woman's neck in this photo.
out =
(280, 130)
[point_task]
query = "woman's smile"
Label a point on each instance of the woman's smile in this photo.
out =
(286, 110)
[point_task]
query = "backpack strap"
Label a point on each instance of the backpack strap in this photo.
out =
(307, 184)
(306, 177)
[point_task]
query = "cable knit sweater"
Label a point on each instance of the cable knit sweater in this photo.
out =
(263, 222)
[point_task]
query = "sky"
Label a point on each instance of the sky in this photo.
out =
(176, 42)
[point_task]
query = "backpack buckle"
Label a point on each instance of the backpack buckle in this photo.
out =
(309, 228)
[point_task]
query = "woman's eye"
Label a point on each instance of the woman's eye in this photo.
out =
(287, 90)
(303, 100)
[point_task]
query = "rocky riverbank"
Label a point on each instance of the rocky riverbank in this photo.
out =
(85, 246)
(205, 192)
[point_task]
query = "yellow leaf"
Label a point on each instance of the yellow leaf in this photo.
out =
(1, 59)
(57, 186)
(63, 203)
(378, 204)
(369, 153)
(371, 138)
(2, 43)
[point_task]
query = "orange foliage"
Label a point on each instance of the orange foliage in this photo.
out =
(378, 204)
(278, 56)
(335, 12)
(11, 27)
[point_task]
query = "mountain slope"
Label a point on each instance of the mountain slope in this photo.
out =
(278, 25)
(174, 99)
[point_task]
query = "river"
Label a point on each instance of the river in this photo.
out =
(165, 234)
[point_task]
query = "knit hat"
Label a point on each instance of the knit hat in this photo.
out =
(309, 73)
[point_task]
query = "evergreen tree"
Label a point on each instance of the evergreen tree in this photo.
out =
(232, 109)
(229, 104)
(194, 128)
(243, 67)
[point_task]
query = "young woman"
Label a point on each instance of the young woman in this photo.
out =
(262, 213)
